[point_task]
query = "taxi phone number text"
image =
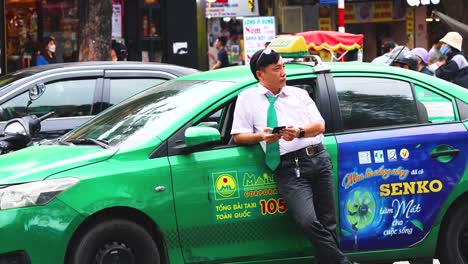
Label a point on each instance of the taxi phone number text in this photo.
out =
(273, 206)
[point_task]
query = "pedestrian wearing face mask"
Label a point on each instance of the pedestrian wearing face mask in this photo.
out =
(423, 60)
(47, 53)
(455, 67)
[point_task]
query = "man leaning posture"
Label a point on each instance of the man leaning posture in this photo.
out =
(300, 163)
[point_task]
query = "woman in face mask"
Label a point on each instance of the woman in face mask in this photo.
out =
(47, 53)
(455, 67)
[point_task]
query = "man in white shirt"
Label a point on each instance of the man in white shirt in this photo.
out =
(387, 48)
(301, 165)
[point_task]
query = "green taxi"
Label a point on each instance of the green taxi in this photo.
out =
(158, 178)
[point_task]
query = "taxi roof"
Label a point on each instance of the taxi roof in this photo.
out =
(241, 75)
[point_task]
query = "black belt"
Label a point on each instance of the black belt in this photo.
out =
(304, 152)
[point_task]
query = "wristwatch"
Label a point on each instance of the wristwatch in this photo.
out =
(301, 132)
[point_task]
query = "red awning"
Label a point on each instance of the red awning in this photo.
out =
(331, 40)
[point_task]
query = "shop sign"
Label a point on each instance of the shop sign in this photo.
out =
(422, 2)
(328, 2)
(410, 28)
(231, 8)
(117, 14)
(325, 24)
(381, 11)
(257, 31)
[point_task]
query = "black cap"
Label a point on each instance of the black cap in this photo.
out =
(263, 58)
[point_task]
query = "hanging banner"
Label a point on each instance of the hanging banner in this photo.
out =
(257, 31)
(231, 8)
(410, 28)
(117, 15)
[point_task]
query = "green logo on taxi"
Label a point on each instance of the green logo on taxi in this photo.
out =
(225, 185)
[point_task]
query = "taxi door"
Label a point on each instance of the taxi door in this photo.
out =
(400, 154)
(227, 204)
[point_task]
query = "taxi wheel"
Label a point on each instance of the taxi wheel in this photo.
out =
(116, 241)
(454, 238)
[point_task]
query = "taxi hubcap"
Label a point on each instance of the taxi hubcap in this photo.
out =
(115, 253)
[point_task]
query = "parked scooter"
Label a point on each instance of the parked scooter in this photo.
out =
(18, 133)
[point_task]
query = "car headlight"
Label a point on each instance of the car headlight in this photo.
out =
(33, 193)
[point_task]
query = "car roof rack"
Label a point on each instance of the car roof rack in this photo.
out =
(319, 65)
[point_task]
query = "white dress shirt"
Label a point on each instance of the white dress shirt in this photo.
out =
(383, 59)
(294, 107)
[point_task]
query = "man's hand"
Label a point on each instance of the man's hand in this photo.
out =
(270, 138)
(290, 133)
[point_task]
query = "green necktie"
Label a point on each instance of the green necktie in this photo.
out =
(272, 153)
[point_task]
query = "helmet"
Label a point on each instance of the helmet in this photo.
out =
(404, 56)
(421, 53)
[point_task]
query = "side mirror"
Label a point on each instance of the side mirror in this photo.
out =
(209, 124)
(36, 91)
(14, 127)
(201, 136)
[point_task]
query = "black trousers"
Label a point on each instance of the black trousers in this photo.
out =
(311, 201)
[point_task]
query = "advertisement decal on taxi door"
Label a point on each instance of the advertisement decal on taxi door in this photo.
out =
(391, 187)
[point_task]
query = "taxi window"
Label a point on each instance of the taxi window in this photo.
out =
(439, 108)
(375, 102)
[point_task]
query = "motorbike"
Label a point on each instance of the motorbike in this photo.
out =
(19, 133)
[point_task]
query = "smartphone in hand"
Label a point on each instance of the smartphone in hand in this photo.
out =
(277, 129)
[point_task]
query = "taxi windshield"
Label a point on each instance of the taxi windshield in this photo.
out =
(144, 116)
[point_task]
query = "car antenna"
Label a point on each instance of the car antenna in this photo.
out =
(399, 52)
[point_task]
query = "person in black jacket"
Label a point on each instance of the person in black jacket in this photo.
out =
(118, 51)
(222, 60)
(455, 67)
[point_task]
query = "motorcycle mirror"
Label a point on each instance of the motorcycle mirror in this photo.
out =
(36, 91)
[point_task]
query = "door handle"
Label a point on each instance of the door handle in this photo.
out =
(160, 188)
(452, 152)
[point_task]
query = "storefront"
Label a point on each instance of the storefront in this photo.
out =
(378, 20)
(152, 30)
(386, 20)
(28, 21)
(225, 18)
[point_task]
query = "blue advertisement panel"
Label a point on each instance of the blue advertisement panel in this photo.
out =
(328, 2)
(391, 189)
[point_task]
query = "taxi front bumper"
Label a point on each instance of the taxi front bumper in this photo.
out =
(38, 235)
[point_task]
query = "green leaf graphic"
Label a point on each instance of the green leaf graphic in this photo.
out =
(417, 224)
(418, 146)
